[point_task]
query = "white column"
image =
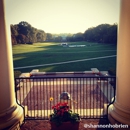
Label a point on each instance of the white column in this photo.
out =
(120, 110)
(10, 112)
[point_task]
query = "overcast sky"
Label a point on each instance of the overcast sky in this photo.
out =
(62, 16)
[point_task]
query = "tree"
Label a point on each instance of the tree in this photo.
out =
(103, 33)
(22, 39)
(14, 33)
(48, 37)
(78, 37)
(13, 39)
(25, 33)
(41, 36)
(58, 39)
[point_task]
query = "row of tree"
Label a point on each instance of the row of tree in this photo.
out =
(103, 33)
(24, 33)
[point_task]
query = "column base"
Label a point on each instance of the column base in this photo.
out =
(118, 115)
(12, 118)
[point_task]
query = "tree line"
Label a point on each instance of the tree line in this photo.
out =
(25, 33)
(103, 33)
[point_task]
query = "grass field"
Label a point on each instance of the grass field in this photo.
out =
(48, 53)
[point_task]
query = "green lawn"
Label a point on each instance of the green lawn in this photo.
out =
(47, 53)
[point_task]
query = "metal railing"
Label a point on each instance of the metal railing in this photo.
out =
(90, 96)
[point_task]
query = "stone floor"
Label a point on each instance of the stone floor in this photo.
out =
(45, 125)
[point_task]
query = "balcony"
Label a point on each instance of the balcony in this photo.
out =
(90, 95)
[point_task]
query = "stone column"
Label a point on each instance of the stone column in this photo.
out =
(120, 110)
(10, 113)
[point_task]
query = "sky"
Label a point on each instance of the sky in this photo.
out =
(62, 16)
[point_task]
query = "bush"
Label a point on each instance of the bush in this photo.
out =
(17, 74)
(112, 71)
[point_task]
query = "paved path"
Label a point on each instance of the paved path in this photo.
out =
(66, 62)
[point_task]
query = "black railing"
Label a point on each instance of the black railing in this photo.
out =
(90, 96)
